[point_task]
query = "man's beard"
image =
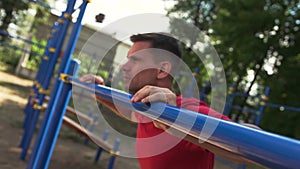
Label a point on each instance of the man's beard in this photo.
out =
(133, 90)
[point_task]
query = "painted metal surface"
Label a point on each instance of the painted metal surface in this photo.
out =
(265, 148)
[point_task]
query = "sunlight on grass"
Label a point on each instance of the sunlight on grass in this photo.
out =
(4, 67)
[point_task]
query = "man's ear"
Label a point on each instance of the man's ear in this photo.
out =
(164, 69)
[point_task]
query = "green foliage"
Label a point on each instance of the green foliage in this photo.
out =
(10, 55)
(18, 13)
(285, 87)
(200, 13)
(41, 17)
(97, 64)
(253, 36)
(36, 53)
(11, 10)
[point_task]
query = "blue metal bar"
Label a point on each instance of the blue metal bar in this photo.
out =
(190, 91)
(241, 166)
(262, 105)
(113, 154)
(265, 148)
(243, 95)
(244, 109)
(100, 149)
(42, 4)
(91, 127)
(44, 76)
(283, 107)
(20, 49)
(21, 38)
(39, 160)
(203, 94)
(229, 100)
(44, 65)
(31, 115)
(90, 114)
(40, 74)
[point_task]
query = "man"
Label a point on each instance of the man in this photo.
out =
(152, 60)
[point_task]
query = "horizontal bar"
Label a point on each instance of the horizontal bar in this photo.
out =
(20, 49)
(248, 110)
(297, 109)
(21, 38)
(78, 128)
(261, 147)
(243, 95)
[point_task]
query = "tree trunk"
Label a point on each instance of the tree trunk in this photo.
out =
(257, 71)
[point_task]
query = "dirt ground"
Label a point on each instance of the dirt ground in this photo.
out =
(70, 151)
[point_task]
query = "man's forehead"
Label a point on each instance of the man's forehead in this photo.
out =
(140, 50)
(151, 52)
(137, 46)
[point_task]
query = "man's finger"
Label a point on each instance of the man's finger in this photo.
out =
(141, 94)
(156, 97)
(160, 125)
(92, 78)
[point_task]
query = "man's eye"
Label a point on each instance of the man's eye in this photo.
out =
(134, 59)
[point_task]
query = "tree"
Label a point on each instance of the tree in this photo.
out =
(10, 10)
(26, 15)
(201, 14)
(257, 36)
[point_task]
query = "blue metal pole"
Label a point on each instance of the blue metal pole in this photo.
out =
(29, 109)
(229, 100)
(51, 135)
(41, 143)
(54, 45)
(241, 166)
(190, 91)
(50, 55)
(87, 124)
(113, 154)
(37, 81)
(203, 91)
(262, 105)
(283, 107)
(90, 114)
(31, 113)
(261, 147)
(46, 78)
(91, 127)
(100, 149)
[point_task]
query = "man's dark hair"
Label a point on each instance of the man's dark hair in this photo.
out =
(160, 41)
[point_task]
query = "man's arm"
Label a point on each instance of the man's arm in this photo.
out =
(120, 111)
(157, 94)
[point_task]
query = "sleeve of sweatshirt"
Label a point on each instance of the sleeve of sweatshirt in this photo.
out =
(200, 107)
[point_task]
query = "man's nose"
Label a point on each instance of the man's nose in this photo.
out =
(125, 66)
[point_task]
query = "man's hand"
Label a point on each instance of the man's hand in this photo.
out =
(92, 79)
(121, 111)
(251, 126)
(155, 94)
